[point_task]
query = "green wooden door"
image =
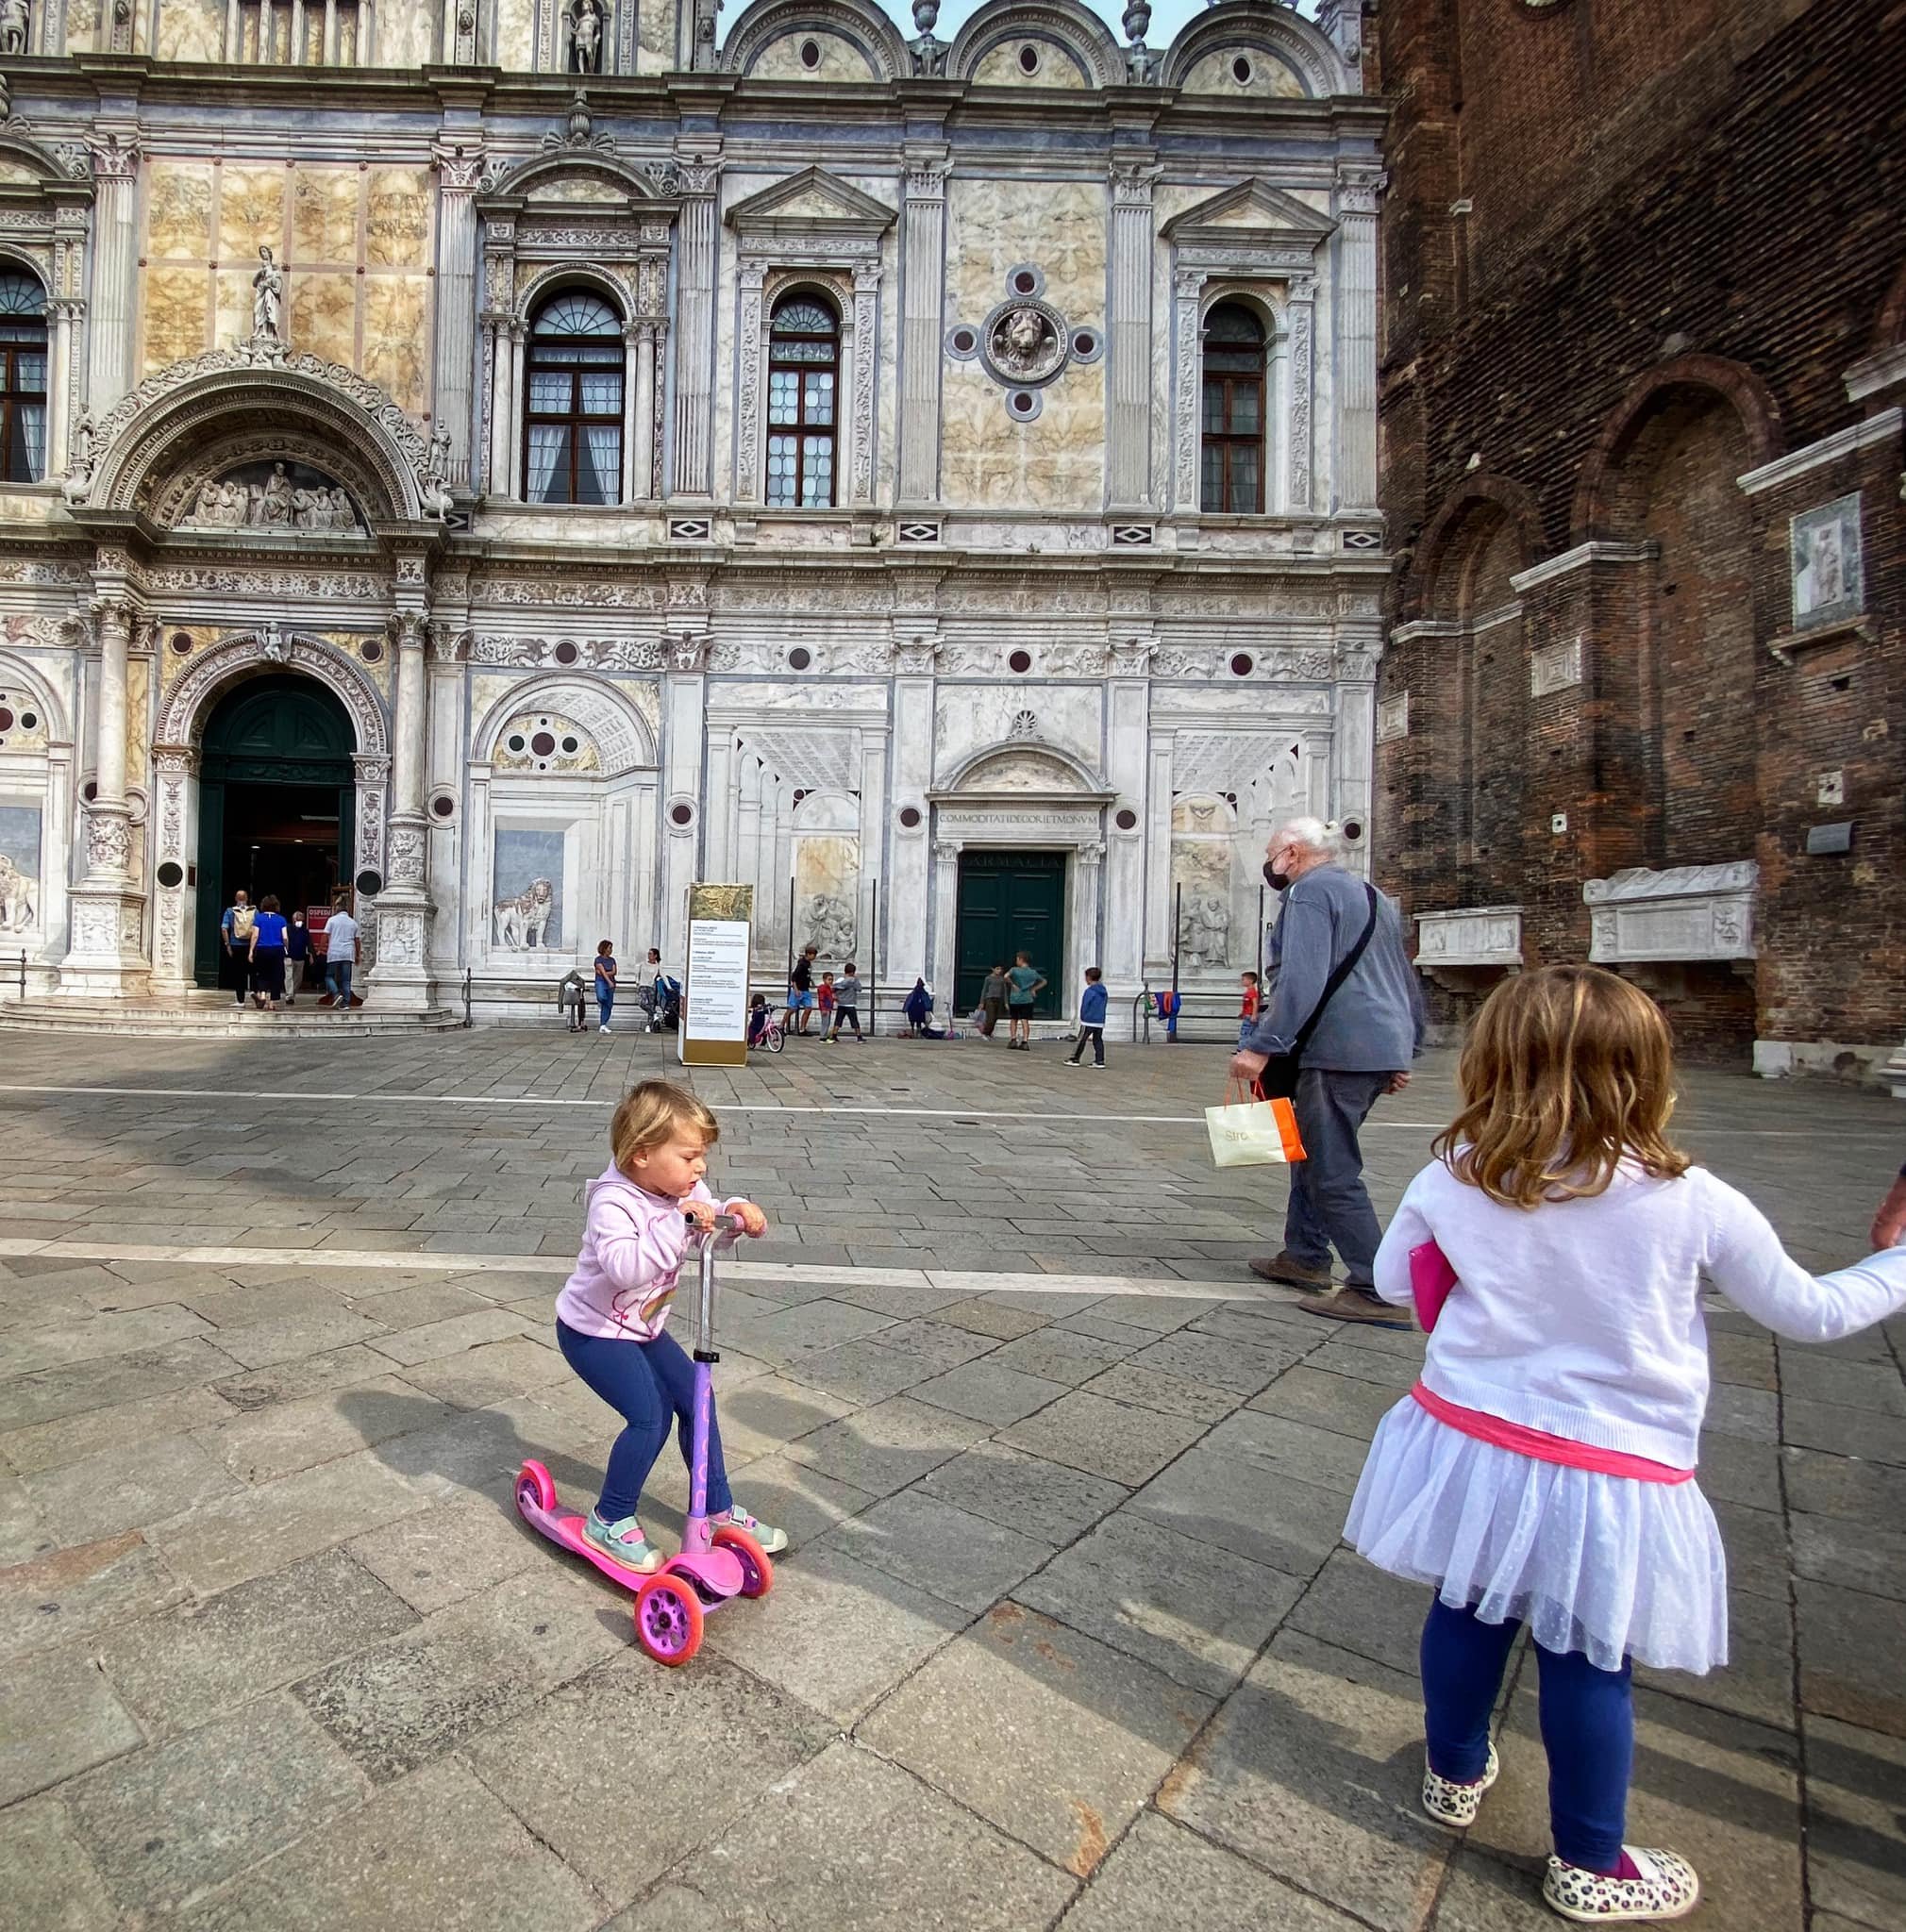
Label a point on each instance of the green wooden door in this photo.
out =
(1010, 903)
(277, 730)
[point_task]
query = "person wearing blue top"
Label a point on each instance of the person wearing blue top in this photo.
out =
(605, 983)
(1092, 1005)
(268, 953)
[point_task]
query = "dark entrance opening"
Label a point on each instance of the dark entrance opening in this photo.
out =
(276, 797)
(1011, 902)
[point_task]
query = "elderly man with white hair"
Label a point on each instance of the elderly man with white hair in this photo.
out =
(1343, 1023)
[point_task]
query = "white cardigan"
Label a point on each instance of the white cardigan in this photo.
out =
(1583, 1318)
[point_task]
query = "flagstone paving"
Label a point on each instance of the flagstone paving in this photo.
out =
(1066, 1632)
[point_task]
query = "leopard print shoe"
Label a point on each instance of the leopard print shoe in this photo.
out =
(1664, 1887)
(1455, 1804)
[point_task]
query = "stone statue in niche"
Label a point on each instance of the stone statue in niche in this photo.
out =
(268, 297)
(14, 26)
(16, 897)
(1024, 346)
(585, 37)
(831, 926)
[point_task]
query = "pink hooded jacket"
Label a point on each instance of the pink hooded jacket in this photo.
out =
(633, 1248)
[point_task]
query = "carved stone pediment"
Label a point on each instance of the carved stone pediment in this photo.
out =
(1252, 215)
(1687, 913)
(808, 210)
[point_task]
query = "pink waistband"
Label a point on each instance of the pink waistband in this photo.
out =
(1544, 1447)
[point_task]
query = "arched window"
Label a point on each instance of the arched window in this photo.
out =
(23, 378)
(1233, 421)
(572, 445)
(804, 362)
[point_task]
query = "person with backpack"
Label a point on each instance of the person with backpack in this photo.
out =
(1343, 1022)
(235, 931)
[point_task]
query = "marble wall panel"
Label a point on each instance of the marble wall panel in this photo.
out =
(83, 27)
(1267, 77)
(232, 318)
(514, 33)
(192, 30)
(569, 188)
(654, 37)
(1057, 68)
(138, 704)
(969, 719)
(324, 216)
(323, 313)
(177, 304)
(840, 60)
(396, 337)
(407, 35)
(179, 202)
(251, 211)
(397, 218)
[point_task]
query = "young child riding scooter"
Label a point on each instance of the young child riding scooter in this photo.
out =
(611, 1316)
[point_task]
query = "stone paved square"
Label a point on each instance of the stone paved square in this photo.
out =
(1066, 1630)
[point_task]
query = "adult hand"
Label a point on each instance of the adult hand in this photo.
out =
(1248, 1066)
(1398, 1083)
(1889, 1224)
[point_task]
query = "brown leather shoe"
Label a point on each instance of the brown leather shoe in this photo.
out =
(1288, 1272)
(1355, 1305)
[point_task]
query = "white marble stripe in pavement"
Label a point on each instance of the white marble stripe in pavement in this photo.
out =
(763, 1273)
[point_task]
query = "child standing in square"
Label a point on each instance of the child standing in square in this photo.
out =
(825, 998)
(1252, 1005)
(612, 1318)
(1092, 1005)
(847, 1002)
(1542, 1470)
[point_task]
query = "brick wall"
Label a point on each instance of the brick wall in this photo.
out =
(1680, 231)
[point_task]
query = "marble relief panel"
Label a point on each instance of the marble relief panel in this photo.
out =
(397, 218)
(83, 27)
(138, 704)
(192, 30)
(406, 36)
(827, 889)
(654, 37)
(176, 303)
(838, 60)
(178, 201)
(324, 314)
(515, 37)
(324, 215)
(396, 338)
(574, 187)
(251, 211)
(1265, 75)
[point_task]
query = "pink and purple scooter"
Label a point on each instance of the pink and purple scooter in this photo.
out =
(718, 1562)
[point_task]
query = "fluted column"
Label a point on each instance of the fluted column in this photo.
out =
(500, 404)
(698, 238)
(59, 384)
(1130, 327)
(923, 277)
(115, 257)
(1357, 188)
(459, 168)
(641, 418)
(401, 978)
(106, 955)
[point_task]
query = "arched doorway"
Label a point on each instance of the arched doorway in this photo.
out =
(277, 801)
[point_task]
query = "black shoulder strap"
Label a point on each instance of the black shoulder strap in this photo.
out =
(1344, 967)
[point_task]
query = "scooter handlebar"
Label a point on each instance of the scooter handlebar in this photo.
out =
(723, 1224)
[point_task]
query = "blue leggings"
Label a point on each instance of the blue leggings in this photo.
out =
(1587, 1727)
(647, 1384)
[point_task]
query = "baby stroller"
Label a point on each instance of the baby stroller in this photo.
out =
(660, 1003)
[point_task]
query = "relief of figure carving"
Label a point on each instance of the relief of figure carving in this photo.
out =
(207, 509)
(343, 515)
(78, 479)
(521, 921)
(305, 512)
(14, 26)
(268, 296)
(436, 493)
(1023, 344)
(275, 500)
(831, 926)
(1207, 940)
(16, 897)
(585, 37)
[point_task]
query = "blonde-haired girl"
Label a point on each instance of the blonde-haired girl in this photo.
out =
(612, 1315)
(1542, 1470)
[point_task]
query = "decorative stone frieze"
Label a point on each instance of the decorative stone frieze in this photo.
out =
(1685, 915)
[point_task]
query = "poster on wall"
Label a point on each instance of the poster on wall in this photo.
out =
(715, 1026)
(18, 869)
(526, 906)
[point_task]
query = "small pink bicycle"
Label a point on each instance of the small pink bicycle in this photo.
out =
(717, 1562)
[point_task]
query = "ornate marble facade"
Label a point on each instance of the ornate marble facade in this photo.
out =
(291, 368)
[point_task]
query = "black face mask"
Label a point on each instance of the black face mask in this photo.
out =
(1278, 881)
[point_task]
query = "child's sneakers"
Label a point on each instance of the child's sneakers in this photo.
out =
(773, 1542)
(1448, 1803)
(1649, 1885)
(623, 1543)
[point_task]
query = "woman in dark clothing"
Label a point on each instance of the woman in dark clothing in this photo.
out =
(297, 950)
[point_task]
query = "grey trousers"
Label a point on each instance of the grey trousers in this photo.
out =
(1330, 1206)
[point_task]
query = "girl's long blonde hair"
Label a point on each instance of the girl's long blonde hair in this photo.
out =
(654, 1111)
(1567, 1070)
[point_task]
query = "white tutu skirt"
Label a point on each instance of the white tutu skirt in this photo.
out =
(1604, 1564)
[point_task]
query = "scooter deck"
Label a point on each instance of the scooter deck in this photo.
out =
(716, 1574)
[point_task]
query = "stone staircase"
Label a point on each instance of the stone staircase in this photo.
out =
(210, 1015)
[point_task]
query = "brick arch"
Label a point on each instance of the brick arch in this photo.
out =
(1452, 533)
(1753, 402)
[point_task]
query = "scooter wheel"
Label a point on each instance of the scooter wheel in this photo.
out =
(758, 1573)
(668, 1620)
(535, 1489)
